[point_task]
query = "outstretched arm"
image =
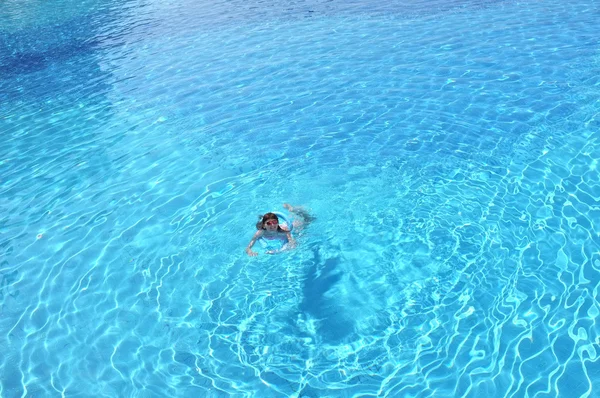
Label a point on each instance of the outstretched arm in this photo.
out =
(249, 251)
(291, 241)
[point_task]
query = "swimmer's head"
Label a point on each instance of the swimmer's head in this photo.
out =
(269, 221)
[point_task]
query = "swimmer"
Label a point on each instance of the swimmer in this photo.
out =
(269, 228)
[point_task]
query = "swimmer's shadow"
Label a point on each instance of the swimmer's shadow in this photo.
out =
(322, 276)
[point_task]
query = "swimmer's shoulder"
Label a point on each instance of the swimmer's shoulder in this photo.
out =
(285, 228)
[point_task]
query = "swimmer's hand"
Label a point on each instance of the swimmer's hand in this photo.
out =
(249, 251)
(288, 246)
(291, 242)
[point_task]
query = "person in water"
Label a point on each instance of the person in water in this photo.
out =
(269, 228)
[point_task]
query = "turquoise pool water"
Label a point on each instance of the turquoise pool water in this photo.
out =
(449, 152)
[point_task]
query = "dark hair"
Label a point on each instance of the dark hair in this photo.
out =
(267, 217)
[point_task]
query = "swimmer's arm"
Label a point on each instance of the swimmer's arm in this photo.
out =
(249, 251)
(291, 241)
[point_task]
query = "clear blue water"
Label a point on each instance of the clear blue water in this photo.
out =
(448, 150)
